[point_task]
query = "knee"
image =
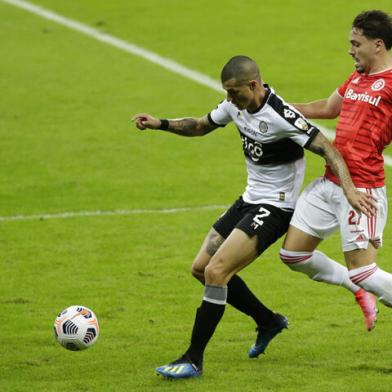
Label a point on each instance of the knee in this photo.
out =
(283, 255)
(215, 273)
(294, 259)
(197, 272)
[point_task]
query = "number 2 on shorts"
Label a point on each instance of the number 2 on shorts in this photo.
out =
(258, 219)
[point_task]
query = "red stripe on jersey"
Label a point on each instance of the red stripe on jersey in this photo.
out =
(365, 127)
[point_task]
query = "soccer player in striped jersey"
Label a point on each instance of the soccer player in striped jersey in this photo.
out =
(364, 106)
(273, 136)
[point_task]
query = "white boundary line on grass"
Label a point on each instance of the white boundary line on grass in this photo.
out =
(155, 58)
(65, 215)
(147, 55)
(118, 43)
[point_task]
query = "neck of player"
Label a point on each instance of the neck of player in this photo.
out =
(255, 105)
(383, 64)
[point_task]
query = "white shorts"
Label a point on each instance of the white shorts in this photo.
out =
(322, 208)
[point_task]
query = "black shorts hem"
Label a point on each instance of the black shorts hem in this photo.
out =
(266, 221)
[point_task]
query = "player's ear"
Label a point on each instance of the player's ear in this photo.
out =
(252, 84)
(379, 44)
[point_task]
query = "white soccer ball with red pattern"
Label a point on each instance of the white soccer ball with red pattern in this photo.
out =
(76, 328)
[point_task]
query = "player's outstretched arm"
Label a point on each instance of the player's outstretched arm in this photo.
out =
(185, 126)
(323, 108)
(360, 201)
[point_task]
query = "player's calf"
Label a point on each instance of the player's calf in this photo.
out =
(321, 268)
(318, 267)
(375, 280)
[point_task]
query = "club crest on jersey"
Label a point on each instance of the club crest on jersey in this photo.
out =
(263, 127)
(301, 124)
(378, 85)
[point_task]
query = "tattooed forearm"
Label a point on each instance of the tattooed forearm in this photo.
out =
(360, 201)
(338, 166)
(184, 126)
(191, 126)
(335, 161)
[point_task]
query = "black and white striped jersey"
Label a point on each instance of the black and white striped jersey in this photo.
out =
(272, 140)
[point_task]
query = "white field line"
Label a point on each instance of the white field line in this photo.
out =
(65, 215)
(118, 43)
(128, 47)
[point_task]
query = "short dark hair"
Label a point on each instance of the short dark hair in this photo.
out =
(240, 68)
(375, 24)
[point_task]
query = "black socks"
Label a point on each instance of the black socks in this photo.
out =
(207, 318)
(240, 297)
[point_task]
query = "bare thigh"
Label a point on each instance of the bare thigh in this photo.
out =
(297, 240)
(235, 253)
(211, 244)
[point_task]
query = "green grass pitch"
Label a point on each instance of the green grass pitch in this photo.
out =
(67, 145)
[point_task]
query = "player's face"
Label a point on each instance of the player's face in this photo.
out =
(241, 95)
(362, 50)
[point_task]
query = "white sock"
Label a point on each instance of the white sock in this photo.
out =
(318, 267)
(374, 280)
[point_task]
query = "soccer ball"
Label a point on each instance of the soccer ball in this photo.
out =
(76, 328)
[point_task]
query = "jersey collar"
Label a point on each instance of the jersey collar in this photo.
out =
(380, 72)
(265, 99)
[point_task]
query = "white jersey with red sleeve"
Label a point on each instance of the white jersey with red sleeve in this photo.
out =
(364, 128)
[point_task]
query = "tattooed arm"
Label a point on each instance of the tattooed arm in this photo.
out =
(360, 201)
(184, 126)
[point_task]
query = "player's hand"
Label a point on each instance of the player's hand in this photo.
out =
(144, 121)
(362, 202)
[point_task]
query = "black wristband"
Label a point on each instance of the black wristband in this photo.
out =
(164, 124)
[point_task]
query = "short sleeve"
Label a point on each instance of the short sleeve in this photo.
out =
(220, 116)
(293, 124)
(303, 132)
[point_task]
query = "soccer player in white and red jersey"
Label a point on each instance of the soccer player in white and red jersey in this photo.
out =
(364, 106)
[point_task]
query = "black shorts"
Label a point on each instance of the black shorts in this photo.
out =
(264, 220)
